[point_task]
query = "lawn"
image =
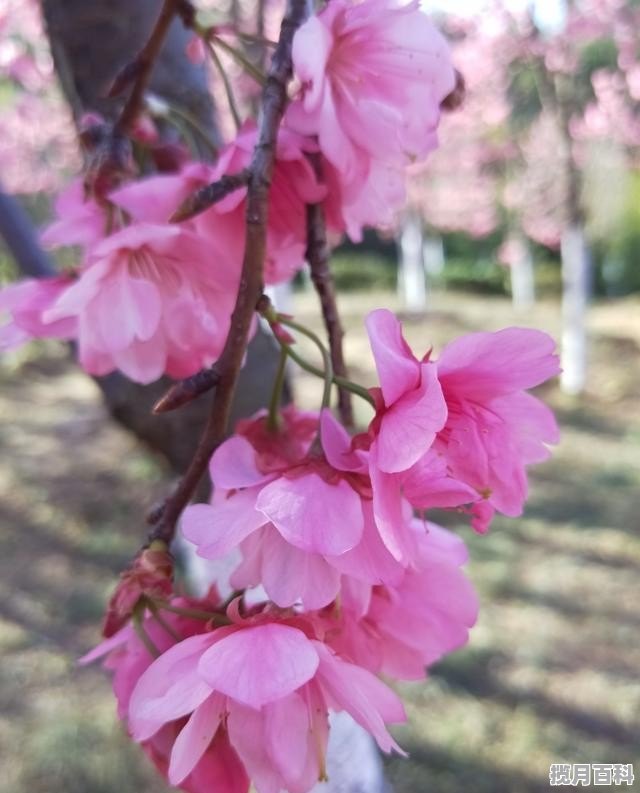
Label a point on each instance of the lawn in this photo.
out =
(550, 674)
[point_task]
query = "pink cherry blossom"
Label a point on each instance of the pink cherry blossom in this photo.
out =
(219, 766)
(294, 185)
(490, 431)
(266, 684)
(411, 625)
(151, 299)
(79, 220)
(301, 514)
(372, 75)
(25, 303)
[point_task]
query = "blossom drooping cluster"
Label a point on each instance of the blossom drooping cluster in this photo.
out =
(152, 298)
(334, 578)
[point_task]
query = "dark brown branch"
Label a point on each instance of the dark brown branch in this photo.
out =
(318, 258)
(210, 194)
(274, 100)
(187, 390)
(142, 66)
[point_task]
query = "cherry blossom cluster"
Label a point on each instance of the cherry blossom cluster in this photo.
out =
(330, 571)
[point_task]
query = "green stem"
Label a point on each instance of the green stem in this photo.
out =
(273, 421)
(193, 122)
(327, 372)
(349, 385)
(153, 608)
(196, 614)
(137, 620)
(246, 64)
(228, 89)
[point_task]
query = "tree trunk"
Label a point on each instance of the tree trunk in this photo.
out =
(576, 287)
(411, 281)
(90, 43)
(433, 256)
(523, 290)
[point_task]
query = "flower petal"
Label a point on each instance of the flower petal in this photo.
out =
(195, 737)
(398, 370)
(259, 664)
(312, 514)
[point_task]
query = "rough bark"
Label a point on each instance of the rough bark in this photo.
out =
(90, 43)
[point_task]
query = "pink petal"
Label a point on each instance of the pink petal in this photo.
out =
(170, 688)
(195, 737)
(388, 512)
(313, 515)
(218, 529)
(233, 465)
(311, 46)
(427, 485)
(287, 741)
(398, 369)
(370, 561)
(260, 664)
(129, 308)
(290, 575)
(409, 427)
(247, 734)
(484, 365)
(142, 361)
(365, 698)
(220, 770)
(336, 444)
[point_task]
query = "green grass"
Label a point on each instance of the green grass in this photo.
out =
(550, 674)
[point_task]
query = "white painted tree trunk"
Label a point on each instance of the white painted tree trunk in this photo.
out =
(576, 287)
(523, 289)
(412, 289)
(433, 256)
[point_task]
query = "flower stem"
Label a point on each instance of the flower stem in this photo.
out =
(327, 372)
(195, 614)
(228, 89)
(239, 57)
(273, 421)
(137, 620)
(153, 608)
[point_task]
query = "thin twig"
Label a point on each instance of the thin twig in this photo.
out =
(318, 258)
(187, 390)
(143, 66)
(274, 100)
(209, 195)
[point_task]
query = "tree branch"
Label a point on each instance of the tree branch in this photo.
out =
(139, 70)
(318, 258)
(228, 366)
(209, 195)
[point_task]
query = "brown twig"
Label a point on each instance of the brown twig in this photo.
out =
(142, 66)
(210, 194)
(187, 390)
(322, 277)
(274, 100)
